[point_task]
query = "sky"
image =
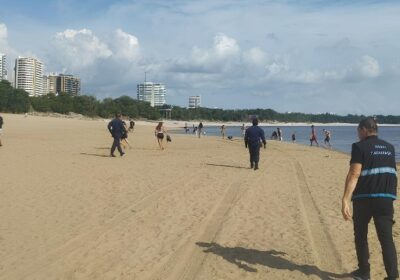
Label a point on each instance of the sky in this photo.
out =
(310, 56)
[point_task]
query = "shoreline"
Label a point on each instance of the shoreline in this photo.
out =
(181, 124)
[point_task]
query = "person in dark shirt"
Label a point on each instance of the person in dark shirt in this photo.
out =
(371, 184)
(117, 130)
(1, 129)
(253, 137)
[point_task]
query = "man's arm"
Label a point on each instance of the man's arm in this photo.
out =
(350, 185)
(246, 140)
(263, 139)
(109, 127)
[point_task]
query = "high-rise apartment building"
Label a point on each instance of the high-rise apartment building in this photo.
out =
(29, 75)
(194, 101)
(151, 92)
(64, 83)
(3, 67)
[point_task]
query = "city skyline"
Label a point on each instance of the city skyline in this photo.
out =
(298, 56)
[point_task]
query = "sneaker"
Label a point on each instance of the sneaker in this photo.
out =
(358, 275)
(122, 154)
(112, 155)
(256, 166)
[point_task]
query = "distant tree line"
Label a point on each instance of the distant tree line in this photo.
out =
(18, 101)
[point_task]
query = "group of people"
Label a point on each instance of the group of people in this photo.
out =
(198, 130)
(370, 186)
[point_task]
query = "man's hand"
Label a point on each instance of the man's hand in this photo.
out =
(346, 210)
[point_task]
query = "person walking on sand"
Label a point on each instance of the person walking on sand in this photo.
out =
(117, 129)
(124, 137)
(1, 129)
(252, 139)
(131, 125)
(159, 133)
(200, 129)
(313, 136)
(371, 184)
(223, 130)
(294, 137)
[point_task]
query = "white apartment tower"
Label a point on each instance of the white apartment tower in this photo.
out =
(154, 93)
(29, 75)
(194, 101)
(3, 68)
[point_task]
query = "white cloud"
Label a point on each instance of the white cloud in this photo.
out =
(369, 67)
(255, 56)
(225, 46)
(79, 48)
(125, 46)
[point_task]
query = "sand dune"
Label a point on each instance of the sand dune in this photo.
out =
(192, 211)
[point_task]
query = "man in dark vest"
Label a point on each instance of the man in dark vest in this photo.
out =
(117, 129)
(253, 138)
(371, 184)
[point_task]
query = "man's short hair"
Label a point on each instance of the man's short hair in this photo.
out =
(255, 121)
(118, 115)
(369, 124)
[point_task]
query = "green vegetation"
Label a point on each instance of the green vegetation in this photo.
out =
(17, 101)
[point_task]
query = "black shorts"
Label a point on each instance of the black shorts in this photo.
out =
(160, 135)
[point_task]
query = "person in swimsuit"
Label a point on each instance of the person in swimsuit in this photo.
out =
(159, 133)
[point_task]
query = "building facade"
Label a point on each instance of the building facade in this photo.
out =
(29, 75)
(154, 93)
(3, 68)
(194, 102)
(58, 83)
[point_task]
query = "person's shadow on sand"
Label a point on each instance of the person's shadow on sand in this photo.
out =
(243, 258)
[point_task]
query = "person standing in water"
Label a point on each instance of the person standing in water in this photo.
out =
(253, 138)
(200, 129)
(313, 136)
(327, 139)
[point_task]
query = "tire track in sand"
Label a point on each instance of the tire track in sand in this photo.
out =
(188, 259)
(324, 250)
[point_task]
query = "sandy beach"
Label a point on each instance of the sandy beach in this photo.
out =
(192, 211)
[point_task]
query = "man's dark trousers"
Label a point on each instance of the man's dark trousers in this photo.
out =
(381, 210)
(254, 153)
(116, 144)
